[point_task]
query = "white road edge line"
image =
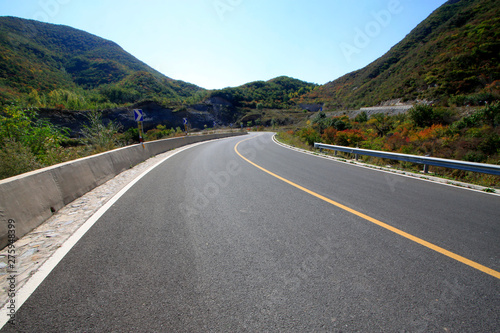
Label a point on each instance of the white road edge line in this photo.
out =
(407, 175)
(30, 286)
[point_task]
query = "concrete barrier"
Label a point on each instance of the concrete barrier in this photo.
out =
(31, 198)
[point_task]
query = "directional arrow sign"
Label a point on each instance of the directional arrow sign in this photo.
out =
(185, 121)
(138, 115)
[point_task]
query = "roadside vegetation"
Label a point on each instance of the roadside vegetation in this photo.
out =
(28, 143)
(462, 134)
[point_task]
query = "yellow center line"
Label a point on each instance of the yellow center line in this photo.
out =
(415, 239)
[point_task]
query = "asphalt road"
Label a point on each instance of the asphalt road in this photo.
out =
(208, 242)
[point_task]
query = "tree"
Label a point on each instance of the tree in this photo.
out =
(382, 123)
(362, 117)
(421, 115)
(26, 142)
(101, 137)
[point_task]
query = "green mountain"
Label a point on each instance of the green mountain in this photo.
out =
(42, 59)
(452, 57)
(278, 93)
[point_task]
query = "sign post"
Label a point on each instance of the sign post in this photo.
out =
(185, 122)
(139, 117)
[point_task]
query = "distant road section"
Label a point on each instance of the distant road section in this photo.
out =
(243, 235)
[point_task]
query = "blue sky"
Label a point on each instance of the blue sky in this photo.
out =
(220, 43)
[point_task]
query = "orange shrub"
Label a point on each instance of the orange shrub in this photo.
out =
(429, 133)
(329, 135)
(395, 142)
(349, 137)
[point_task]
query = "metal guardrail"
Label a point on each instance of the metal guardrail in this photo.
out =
(425, 160)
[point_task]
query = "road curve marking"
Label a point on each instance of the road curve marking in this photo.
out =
(386, 226)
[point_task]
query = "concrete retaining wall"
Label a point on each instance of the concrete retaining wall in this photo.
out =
(31, 198)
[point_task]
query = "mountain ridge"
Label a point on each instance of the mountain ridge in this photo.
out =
(45, 57)
(452, 57)
(453, 52)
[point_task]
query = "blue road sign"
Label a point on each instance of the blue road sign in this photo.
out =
(184, 121)
(138, 115)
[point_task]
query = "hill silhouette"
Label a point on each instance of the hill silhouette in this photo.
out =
(452, 57)
(40, 58)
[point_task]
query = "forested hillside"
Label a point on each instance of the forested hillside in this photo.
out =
(452, 57)
(278, 93)
(46, 65)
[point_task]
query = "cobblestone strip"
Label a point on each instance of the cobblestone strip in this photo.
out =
(37, 246)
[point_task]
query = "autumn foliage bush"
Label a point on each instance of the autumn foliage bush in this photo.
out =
(424, 130)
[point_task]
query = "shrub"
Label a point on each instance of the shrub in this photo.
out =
(101, 137)
(328, 135)
(395, 142)
(15, 158)
(477, 99)
(361, 118)
(350, 137)
(23, 126)
(309, 135)
(421, 115)
(341, 124)
(382, 123)
(130, 136)
(160, 132)
(425, 115)
(491, 114)
(475, 156)
(490, 144)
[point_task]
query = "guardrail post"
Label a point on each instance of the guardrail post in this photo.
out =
(426, 161)
(426, 166)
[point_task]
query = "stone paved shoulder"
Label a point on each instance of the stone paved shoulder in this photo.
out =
(37, 246)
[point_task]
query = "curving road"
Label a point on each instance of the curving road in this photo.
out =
(243, 235)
